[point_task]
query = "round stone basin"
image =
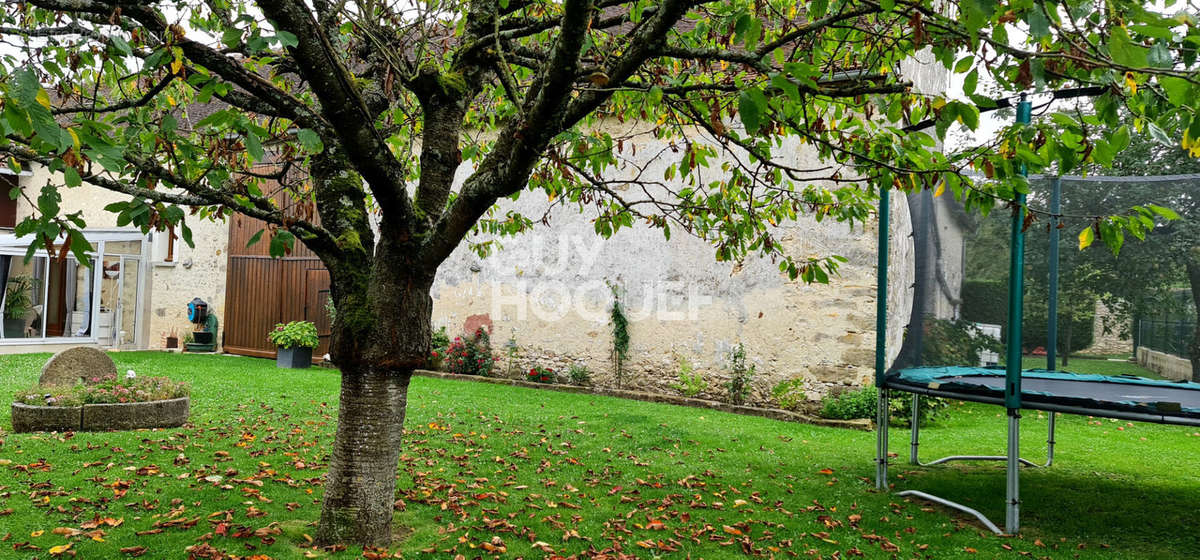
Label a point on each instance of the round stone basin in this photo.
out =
(169, 413)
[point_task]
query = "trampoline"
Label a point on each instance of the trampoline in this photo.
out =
(1124, 397)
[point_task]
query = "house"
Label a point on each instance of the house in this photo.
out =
(132, 294)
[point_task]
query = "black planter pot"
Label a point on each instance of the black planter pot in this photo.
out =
(14, 328)
(293, 358)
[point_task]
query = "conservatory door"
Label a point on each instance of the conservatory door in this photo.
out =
(117, 320)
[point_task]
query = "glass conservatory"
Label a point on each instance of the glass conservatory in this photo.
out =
(52, 300)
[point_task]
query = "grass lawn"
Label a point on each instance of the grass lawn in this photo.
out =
(542, 470)
(1097, 365)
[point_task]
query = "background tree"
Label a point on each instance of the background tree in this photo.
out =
(363, 112)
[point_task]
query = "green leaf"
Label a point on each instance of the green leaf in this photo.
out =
(752, 105)
(282, 243)
(120, 45)
(254, 146)
(186, 233)
(255, 238)
(310, 139)
(1178, 89)
(1039, 26)
(71, 176)
(970, 82)
(1123, 50)
(817, 9)
(1159, 135)
(232, 37)
(286, 39)
(1163, 211)
(1120, 139)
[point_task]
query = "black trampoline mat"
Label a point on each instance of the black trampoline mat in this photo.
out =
(1114, 391)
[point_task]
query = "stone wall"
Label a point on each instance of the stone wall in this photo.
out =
(1114, 342)
(1166, 365)
(548, 294)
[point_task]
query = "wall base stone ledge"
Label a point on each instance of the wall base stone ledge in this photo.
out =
(772, 413)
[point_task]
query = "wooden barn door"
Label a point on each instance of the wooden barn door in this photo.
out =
(261, 291)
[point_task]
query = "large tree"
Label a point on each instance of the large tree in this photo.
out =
(370, 108)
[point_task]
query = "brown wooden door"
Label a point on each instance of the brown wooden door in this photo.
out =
(252, 298)
(316, 308)
(261, 291)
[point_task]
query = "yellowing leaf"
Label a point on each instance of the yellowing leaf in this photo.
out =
(43, 98)
(57, 550)
(36, 534)
(941, 188)
(1131, 82)
(1085, 238)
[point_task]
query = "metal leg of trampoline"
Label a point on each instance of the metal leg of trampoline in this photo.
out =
(930, 497)
(1012, 508)
(914, 456)
(1050, 440)
(881, 440)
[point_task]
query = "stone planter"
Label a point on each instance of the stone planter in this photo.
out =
(30, 418)
(293, 358)
(100, 417)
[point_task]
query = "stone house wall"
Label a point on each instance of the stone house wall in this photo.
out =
(547, 292)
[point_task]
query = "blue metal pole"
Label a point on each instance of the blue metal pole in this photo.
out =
(1052, 325)
(881, 288)
(1016, 285)
(1012, 374)
(882, 406)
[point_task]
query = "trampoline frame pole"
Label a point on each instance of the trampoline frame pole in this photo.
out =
(882, 406)
(1052, 304)
(1012, 384)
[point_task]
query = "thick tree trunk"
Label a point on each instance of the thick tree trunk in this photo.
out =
(377, 346)
(361, 485)
(1193, 272)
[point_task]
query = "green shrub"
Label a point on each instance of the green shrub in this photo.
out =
(849, 405)
(740, 375)
(789, 394)
(863, 403)
(578, 374)
(932, 409)
(296, 334)
(439, 340)
(954, 343)
(985, 301)
(691, 384)
(471, 356)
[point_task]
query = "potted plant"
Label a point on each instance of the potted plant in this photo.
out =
(173, 339)
(296, 341)
(17, 303)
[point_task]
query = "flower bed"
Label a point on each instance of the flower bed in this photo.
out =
(105, 403)
(109, 389)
